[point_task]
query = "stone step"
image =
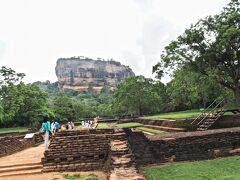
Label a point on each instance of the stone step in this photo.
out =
(123, 156)
(125, 174)
(204, 126)
(165, 128)
(118, 153)
(19, 162)
(117, 142)
(20, 168)
(201, 129)
(208, 123)
(21, 173)
(210, 120)
(147, 133)
(11, 164)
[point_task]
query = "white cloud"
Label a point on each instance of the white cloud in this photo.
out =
(35, 33)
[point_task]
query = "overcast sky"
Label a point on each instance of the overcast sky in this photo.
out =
(35, 33)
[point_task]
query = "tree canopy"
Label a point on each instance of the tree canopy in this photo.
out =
(9, 76)
(139, 95)
(210, 47)
(20, 104)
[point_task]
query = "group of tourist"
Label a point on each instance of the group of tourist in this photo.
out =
(68, 126)
(51, 128)
(90, 124)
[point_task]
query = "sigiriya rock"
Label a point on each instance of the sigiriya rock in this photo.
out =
(78, 73)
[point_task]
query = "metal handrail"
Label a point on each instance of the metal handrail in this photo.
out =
(204, 111)
(211, 111)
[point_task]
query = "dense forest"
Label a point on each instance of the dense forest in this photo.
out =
(204, 63)
(24, 104)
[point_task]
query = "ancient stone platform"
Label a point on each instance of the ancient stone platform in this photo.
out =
(94, 149)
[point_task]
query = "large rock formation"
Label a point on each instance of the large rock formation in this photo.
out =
(81, 73)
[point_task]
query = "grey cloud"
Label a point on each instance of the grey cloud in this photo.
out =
(155, 35)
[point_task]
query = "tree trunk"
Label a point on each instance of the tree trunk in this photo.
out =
(237, 95)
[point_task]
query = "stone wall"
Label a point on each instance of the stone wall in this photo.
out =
(226, 121)
(185, 146)
(121, 151)
(83, 150)
(9, 145)
(94, 149)
(12, 144)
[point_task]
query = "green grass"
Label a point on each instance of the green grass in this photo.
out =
(175, 115)
(218, 169)
(102, 125)
(80, 177)
(130, 124)
(153, 131)
(15, 129)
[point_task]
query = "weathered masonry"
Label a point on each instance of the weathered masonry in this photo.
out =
(185, 146)
(12, 143)
(121, 151)
(94, 149)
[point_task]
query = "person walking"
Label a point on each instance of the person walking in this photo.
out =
(57, 126)
(47, 129)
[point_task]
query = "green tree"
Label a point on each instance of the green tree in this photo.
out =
(63, 107)
(190, 89)
(210, 47)
(137, 95)
(1, 113)
(22, 104)
(9, 76)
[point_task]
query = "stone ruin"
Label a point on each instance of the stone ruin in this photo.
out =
(120, 152)
(93, 149)
(14, 142)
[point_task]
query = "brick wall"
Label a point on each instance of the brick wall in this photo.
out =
(84, 150)
(12, 144)
(9, 145)
(223, 122)
(88, 150)
(185, 146)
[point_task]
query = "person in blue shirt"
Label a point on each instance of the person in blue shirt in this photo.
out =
(55, 126)
(47, 129)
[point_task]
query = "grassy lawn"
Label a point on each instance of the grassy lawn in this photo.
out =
(102, 125)
(175, 115)
(80, 177)
(153, 131)
(130, 124)
(15, 129)
(218, 169)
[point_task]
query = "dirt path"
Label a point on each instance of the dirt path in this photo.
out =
(30, 155)
(53, 176)
(26, 165)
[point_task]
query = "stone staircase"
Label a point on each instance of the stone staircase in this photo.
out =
(209, 116)
(123, 166)
(209, 121)
(20, 169)
(25, 162)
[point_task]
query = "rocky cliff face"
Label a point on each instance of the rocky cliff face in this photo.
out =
(81, 73)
